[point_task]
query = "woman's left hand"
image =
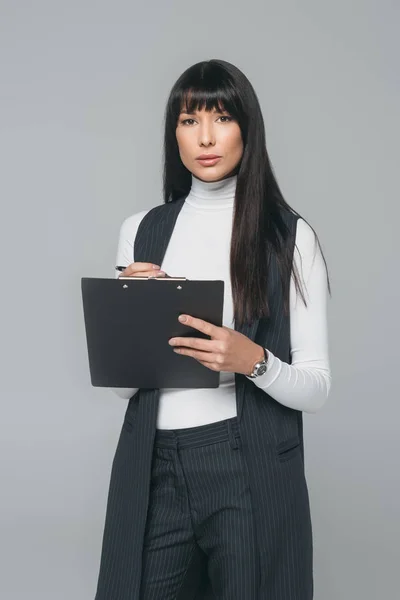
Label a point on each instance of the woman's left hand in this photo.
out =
(227, 350)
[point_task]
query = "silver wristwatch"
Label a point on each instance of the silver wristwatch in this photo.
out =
(260, 367)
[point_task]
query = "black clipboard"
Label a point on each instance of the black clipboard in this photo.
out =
(128, 323)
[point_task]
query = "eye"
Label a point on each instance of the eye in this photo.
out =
(185, 121)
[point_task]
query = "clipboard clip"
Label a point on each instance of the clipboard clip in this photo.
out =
(170, 277)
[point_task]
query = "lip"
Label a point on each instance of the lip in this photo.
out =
(208, 160)
(207, 156)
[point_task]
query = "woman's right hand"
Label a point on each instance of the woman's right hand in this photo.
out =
(142, 269)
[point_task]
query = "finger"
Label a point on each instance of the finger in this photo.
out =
(156, 274)
(200, 325)
(153, 273)
(206, 357)
(141, 267)
(195, 343)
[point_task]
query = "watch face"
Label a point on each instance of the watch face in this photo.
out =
(261, 369)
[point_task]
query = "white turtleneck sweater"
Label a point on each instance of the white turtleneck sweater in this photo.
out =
(199, 249)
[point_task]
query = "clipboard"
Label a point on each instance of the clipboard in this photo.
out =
(129, 320)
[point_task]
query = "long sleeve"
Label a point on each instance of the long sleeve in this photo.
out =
(305, 383)
(125, 257)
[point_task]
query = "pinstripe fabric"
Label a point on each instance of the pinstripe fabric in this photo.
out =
(199, 498)
(271, 443)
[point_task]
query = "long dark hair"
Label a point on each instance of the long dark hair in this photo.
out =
(258, 227)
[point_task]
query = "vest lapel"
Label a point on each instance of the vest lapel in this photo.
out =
(155, 231)
(241, 382)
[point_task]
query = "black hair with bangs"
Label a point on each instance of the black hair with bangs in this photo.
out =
(258, 228)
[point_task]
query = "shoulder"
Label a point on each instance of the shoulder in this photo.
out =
(308, 255)
(130, 225)
(306, 240)
(301, 234)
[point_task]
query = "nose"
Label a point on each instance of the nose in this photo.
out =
(206, 134)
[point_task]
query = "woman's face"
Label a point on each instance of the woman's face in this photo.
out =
(210, 133)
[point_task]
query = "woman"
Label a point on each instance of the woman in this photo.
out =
(214, 478)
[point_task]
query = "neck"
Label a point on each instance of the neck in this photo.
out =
(212, 194)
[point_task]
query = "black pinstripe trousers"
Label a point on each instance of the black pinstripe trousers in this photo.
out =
(199, 501)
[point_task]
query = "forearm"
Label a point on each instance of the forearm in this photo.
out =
(304, 387)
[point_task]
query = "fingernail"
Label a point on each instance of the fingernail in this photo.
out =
(182, 318)
(156, 266)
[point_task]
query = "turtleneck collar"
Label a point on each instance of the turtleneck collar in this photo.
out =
(212, 194)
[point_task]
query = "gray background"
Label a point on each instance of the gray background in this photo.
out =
(83, 88)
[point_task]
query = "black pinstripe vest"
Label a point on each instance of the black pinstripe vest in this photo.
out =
(272, 443)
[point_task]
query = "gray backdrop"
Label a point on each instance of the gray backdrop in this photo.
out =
(83, 88)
